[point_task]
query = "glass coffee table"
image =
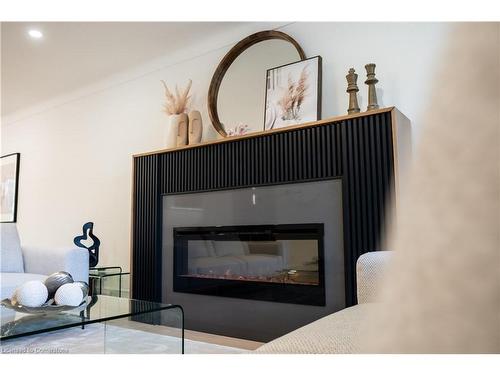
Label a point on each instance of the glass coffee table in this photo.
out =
(107, 324)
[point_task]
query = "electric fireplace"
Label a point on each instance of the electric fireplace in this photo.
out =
(339, 172)
(282, 263)
(235, 259)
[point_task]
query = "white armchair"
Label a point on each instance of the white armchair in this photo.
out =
(19, 264)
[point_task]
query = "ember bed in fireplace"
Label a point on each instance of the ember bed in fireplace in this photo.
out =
(282, 263)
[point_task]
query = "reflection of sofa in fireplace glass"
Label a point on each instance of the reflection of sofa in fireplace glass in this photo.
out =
(288, 261)
(270, 262)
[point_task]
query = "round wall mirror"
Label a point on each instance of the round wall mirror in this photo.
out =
(236, 97)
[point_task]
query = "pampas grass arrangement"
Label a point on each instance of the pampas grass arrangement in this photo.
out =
(294, 96)
(178, 103)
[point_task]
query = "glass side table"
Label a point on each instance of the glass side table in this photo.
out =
(108, 281)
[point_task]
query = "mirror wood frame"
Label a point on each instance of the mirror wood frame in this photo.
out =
(229, 58)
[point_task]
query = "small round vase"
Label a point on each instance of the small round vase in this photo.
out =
(195, 127)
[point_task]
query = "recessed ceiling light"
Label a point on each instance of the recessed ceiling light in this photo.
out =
(35, 34)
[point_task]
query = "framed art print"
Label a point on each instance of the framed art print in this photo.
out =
(293, 94)
(9, 187)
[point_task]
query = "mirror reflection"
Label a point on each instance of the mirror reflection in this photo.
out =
(241, 97)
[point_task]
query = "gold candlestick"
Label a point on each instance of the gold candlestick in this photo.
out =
(371, 81)
(352, 89)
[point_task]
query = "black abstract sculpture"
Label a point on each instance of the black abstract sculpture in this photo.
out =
(93, 248)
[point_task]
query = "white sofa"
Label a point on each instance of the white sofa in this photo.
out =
(19, 264)
(337, 333)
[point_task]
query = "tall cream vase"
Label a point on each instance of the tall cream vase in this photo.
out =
(177, 130)
(195, 127)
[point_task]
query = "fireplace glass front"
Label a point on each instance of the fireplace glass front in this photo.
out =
(276, 262)
(283, 254)
(270, 243)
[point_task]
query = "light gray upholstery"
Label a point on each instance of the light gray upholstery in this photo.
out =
(25, 263)
(370, 268)
(9, 281)
(45, 261)
(337, 333)
(11, 256)
(334, 334)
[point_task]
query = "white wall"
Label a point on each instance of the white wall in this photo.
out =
(76, 150)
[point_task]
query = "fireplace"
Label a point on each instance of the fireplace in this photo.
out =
(234, 256)
(280, 263)
(339, 172)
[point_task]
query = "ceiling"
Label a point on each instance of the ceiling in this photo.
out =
(75, 54)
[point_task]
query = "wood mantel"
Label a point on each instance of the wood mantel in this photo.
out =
(365, 150)
(266, 132)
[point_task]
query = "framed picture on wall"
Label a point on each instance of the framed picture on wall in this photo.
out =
(9, 183)
(293, 94)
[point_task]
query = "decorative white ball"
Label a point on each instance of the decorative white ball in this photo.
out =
(69, 295)
(31, 294)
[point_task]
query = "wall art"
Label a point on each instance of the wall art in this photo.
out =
(293, 94)
(9, 186)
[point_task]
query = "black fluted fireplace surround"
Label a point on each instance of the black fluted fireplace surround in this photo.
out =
(364, 151)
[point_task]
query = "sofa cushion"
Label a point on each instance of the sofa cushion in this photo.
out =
(9, 281)
(47, 260)
(11, 255)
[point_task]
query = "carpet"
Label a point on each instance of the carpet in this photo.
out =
(108, 339)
